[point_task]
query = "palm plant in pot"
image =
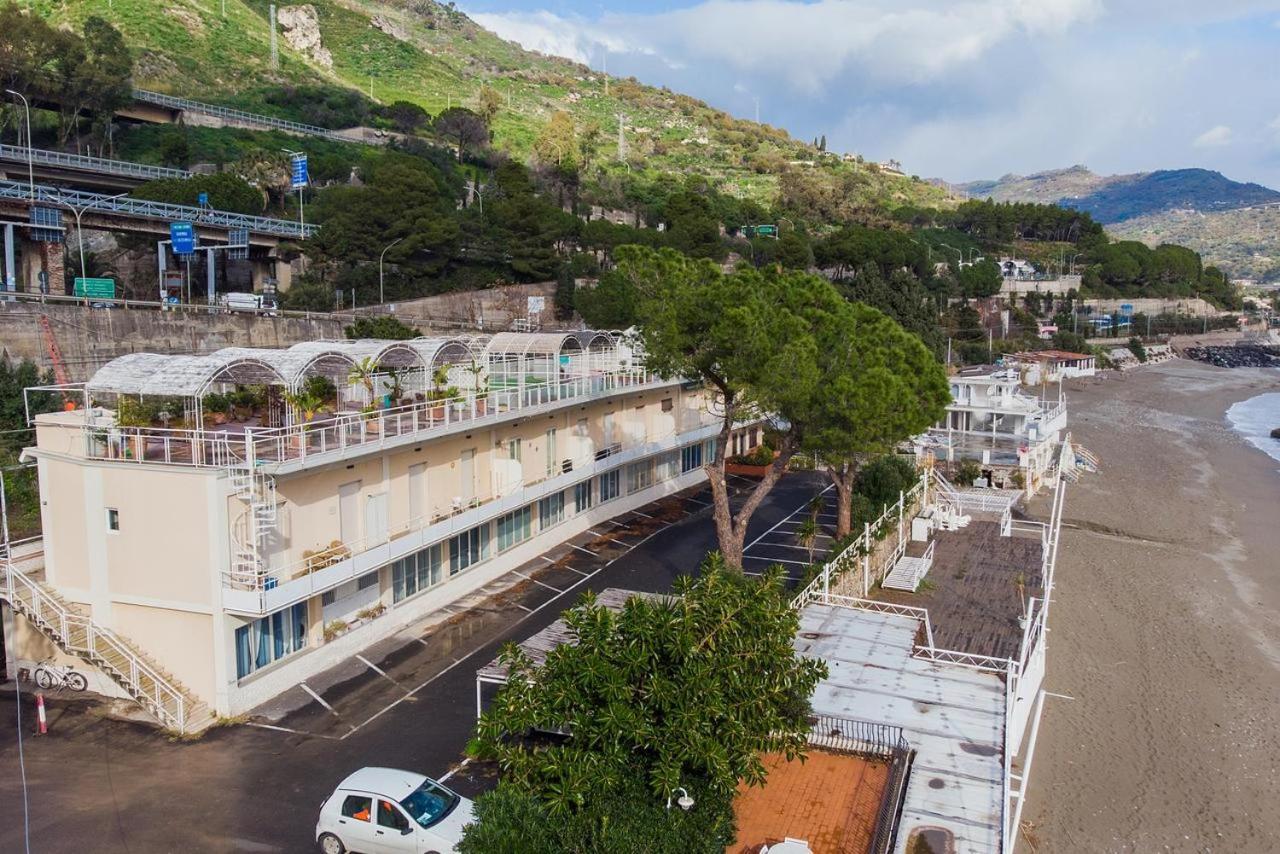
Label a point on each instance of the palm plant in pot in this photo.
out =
(479, 385)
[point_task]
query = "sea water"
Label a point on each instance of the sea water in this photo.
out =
(1255, 418)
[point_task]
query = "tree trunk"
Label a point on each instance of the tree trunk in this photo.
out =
(843, 476)
(731, 528)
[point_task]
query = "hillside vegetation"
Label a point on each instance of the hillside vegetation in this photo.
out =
(432, 55)
(1221, 218)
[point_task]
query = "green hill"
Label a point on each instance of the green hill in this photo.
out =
(435, 56)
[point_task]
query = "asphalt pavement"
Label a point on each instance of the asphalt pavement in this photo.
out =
(105, 785)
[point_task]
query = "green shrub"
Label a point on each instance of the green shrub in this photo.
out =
(881, 480)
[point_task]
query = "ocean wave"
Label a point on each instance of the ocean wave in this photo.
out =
(1255, 418)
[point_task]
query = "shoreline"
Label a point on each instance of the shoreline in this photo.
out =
(1167, 630)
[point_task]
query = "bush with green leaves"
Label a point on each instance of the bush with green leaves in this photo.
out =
(513, 820)
(384, 326)
(882, 480)
(686, 690)
(1139, 352)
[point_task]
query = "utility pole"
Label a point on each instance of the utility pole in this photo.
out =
(31, 174)
(606, 72)
(275, 50)
(622, 139)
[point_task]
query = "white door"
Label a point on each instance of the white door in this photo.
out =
(349, 512)
(418, 494)
(375, 519)
(467, 474)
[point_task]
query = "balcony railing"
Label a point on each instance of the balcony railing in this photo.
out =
(334, 436)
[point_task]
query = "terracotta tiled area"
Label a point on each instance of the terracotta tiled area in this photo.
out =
(829, 800)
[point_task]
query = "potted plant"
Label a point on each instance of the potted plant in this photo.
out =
(305, 402)
(362, 373)
(439, 390)
(480, 386)
(395, 389)
(371, 422)
(217, 408)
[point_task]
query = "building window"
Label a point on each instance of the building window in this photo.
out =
(513, 450)
(709, 449)
(609, 486)
(668, 466)
(328, 597)
(514, 528)
(270, 639)
(667, 404)
(468, 548)
(550, 511)
(416, 572)
(581, 429)
(113, 519)
(690, 457)
(582, 497)
(369, 579)
(639, 476)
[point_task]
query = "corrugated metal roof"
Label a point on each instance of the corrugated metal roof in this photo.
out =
(953, 717)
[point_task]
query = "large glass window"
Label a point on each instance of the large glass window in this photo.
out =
(270, 638)
(690, 457)
(515, 527)
(639, 476)
(609, 489)
(668, 466)
(582, 497)
(468, 548)
(416, 572)
(550, 511)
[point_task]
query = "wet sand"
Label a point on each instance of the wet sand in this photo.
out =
(1167, 626)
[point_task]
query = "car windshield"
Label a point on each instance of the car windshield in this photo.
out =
(429, 803)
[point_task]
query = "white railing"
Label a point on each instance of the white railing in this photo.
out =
(271, 122)
(80, 635)
(101, 165)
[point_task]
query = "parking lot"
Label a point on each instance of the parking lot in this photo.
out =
(408, 702)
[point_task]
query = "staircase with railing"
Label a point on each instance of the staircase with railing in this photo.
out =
(142, 679)
(251, 529)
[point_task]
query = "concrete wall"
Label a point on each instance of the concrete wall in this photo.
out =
(90, 337)
(1195, 307)
(492, 308)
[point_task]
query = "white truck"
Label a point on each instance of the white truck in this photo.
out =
(247, 302)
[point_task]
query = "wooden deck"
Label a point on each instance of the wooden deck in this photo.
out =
(972, 590)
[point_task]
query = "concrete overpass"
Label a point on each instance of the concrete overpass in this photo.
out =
(42, 246)
(80, 170)
(158, 108)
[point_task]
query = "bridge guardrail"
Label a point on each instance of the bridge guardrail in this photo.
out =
(45, 157)
(102, 203)
(146, 96)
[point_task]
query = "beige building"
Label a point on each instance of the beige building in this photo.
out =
(240, 521)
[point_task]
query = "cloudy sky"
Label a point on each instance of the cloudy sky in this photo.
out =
(959, 90)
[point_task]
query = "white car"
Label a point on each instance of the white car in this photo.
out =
(385, 811)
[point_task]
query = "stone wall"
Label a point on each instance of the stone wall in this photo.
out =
(490, 310)
(90, 337)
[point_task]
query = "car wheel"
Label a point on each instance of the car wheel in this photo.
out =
(331, 844)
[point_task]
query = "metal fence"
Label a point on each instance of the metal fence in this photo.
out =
(102, 203)
(883, 741)
(271, 122)
(102, 165)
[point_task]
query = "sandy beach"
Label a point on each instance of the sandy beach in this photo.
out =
(1167, 626)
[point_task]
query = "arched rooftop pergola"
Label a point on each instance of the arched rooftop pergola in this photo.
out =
(507, 344)
(145, 374)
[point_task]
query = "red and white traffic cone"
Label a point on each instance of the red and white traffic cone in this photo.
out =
(44, 724)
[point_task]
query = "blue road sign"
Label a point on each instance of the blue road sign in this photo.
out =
(183, 237)
(298, 172)
(204, 200)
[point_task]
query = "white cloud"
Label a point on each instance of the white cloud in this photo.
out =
(807, 44)
(1214, 137)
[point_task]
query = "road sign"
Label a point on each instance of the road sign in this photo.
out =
(95, 288)
(537, 304)
(183, 237)
(767, 230)
(298, 171)
(203, 199)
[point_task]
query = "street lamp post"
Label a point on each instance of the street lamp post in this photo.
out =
(31, 172)
(78, 211)
(382, 300)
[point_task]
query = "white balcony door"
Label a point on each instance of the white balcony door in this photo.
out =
(375, 518)
(417, 493)
(467, 474)
(349, 512)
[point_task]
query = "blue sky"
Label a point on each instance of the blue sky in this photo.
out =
(957, 90)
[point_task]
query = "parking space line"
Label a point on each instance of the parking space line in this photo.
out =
(454, 770)
(645, 515)
(278, 728)
(774, 560)
(376, 669)
(581, 549)
(594, 531)
(536, 581)
(305, 687)
(523, 608)
(547, 559)
(575, 569)
(458, 661)
(776, 524)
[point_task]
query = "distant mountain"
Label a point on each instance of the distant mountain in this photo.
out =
(1227, 221)
(1116, 198)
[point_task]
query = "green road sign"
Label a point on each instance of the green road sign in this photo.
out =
(767, 230)
(95, 288)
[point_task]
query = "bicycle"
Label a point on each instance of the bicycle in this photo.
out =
(49, 676)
